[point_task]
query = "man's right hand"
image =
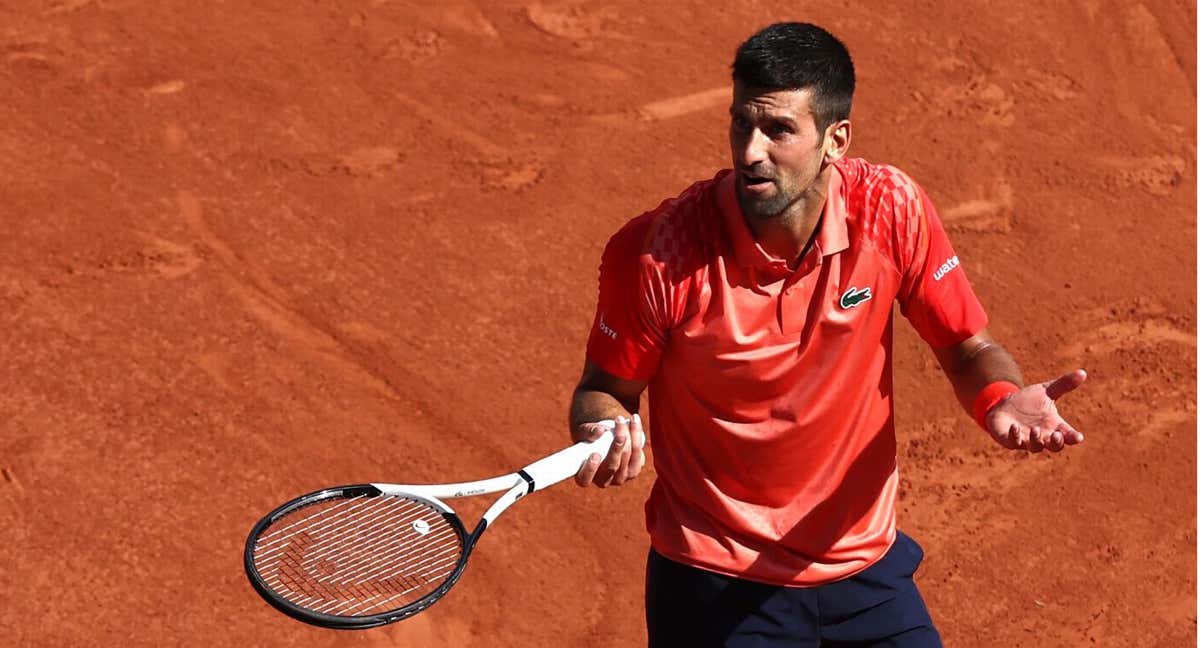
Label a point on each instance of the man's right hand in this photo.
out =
(626, 456)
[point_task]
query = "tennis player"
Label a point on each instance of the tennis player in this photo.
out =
(757, 308)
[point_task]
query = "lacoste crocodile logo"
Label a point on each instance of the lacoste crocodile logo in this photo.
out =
(853, 297)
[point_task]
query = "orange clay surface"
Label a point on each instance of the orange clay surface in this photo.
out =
(249, 252)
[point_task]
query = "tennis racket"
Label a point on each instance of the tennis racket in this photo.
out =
(353, 557)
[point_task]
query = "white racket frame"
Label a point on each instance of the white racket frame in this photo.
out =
(540, 474)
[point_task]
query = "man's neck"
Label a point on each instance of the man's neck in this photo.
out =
(789, 235)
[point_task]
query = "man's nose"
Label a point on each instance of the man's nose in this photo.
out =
(752, 149)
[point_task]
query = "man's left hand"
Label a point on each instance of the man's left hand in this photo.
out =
(1029, 419)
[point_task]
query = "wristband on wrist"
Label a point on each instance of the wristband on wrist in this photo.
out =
(990, 397)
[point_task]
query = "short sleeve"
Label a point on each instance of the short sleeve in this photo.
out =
(935, 294)
(628, 335)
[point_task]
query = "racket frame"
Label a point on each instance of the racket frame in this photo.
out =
(339, 622)
(540, 474)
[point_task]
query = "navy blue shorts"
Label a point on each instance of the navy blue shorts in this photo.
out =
(879, 606)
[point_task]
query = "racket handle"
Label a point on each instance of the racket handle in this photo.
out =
(565, 463)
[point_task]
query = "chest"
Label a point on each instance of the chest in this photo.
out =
(745, 324)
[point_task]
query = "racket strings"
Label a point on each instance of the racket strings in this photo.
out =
(358, 556)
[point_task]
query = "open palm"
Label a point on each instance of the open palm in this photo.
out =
(1029, 419)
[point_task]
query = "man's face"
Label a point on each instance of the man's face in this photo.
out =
(777, 149)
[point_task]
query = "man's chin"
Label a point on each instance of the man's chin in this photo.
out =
(762, 207)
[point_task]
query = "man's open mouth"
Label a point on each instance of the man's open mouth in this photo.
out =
(754, 181)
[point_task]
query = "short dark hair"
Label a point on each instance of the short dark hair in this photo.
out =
(799, 56)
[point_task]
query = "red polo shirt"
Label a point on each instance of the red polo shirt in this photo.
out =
(771, 389)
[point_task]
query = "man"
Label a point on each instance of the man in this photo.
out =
(756, 307)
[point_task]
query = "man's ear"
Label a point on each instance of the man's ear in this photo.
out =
(837, 140)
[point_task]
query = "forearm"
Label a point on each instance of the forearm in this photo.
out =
(589, 405)
(977, 365)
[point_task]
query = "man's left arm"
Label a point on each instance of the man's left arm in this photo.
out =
(989, 385)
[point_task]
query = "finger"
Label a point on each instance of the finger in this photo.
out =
(616, 453)
(1056, 442)
(1012, 440)
(590, 431)
(1071, 436)
(637, 456)
(637, 461)
(619, 475)
(999, 426)
(1065, 383)
(1035, 439)
(587, 470)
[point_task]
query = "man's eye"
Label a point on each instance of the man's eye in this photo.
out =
(741, 123)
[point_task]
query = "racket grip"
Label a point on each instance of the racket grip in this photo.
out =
(550, 470)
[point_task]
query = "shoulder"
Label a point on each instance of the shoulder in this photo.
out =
(885, 210)
(876, 187)
(677, 231)
(882, 202)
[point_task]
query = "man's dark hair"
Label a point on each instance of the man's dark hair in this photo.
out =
(799, 56)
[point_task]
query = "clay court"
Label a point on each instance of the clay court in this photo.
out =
(251, 252)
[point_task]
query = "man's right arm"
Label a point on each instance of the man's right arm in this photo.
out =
(602, 396)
